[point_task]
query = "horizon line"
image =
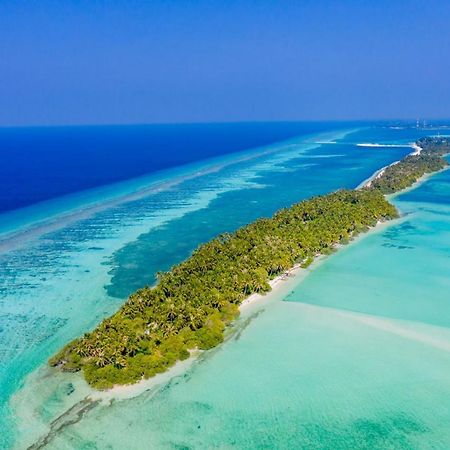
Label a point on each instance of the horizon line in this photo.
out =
(225, 122)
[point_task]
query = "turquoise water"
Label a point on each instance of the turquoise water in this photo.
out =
(60, 281)
(343, 358)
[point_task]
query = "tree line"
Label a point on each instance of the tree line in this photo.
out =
(407, 171)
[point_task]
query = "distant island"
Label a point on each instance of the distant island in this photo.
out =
(427, 158)
(192, 304)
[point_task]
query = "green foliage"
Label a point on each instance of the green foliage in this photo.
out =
(406, 172)
(437, 146)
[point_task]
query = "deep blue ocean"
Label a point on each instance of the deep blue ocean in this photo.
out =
(42, 163)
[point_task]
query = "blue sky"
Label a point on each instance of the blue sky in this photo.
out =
(83, 62)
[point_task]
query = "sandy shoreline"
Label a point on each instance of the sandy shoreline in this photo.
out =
(274, 284)
(417, 150)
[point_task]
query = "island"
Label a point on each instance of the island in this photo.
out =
(427, 158)
(192, 304)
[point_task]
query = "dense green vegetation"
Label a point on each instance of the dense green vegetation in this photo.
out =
(438, 146)
(406, 172)
(192, 303)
